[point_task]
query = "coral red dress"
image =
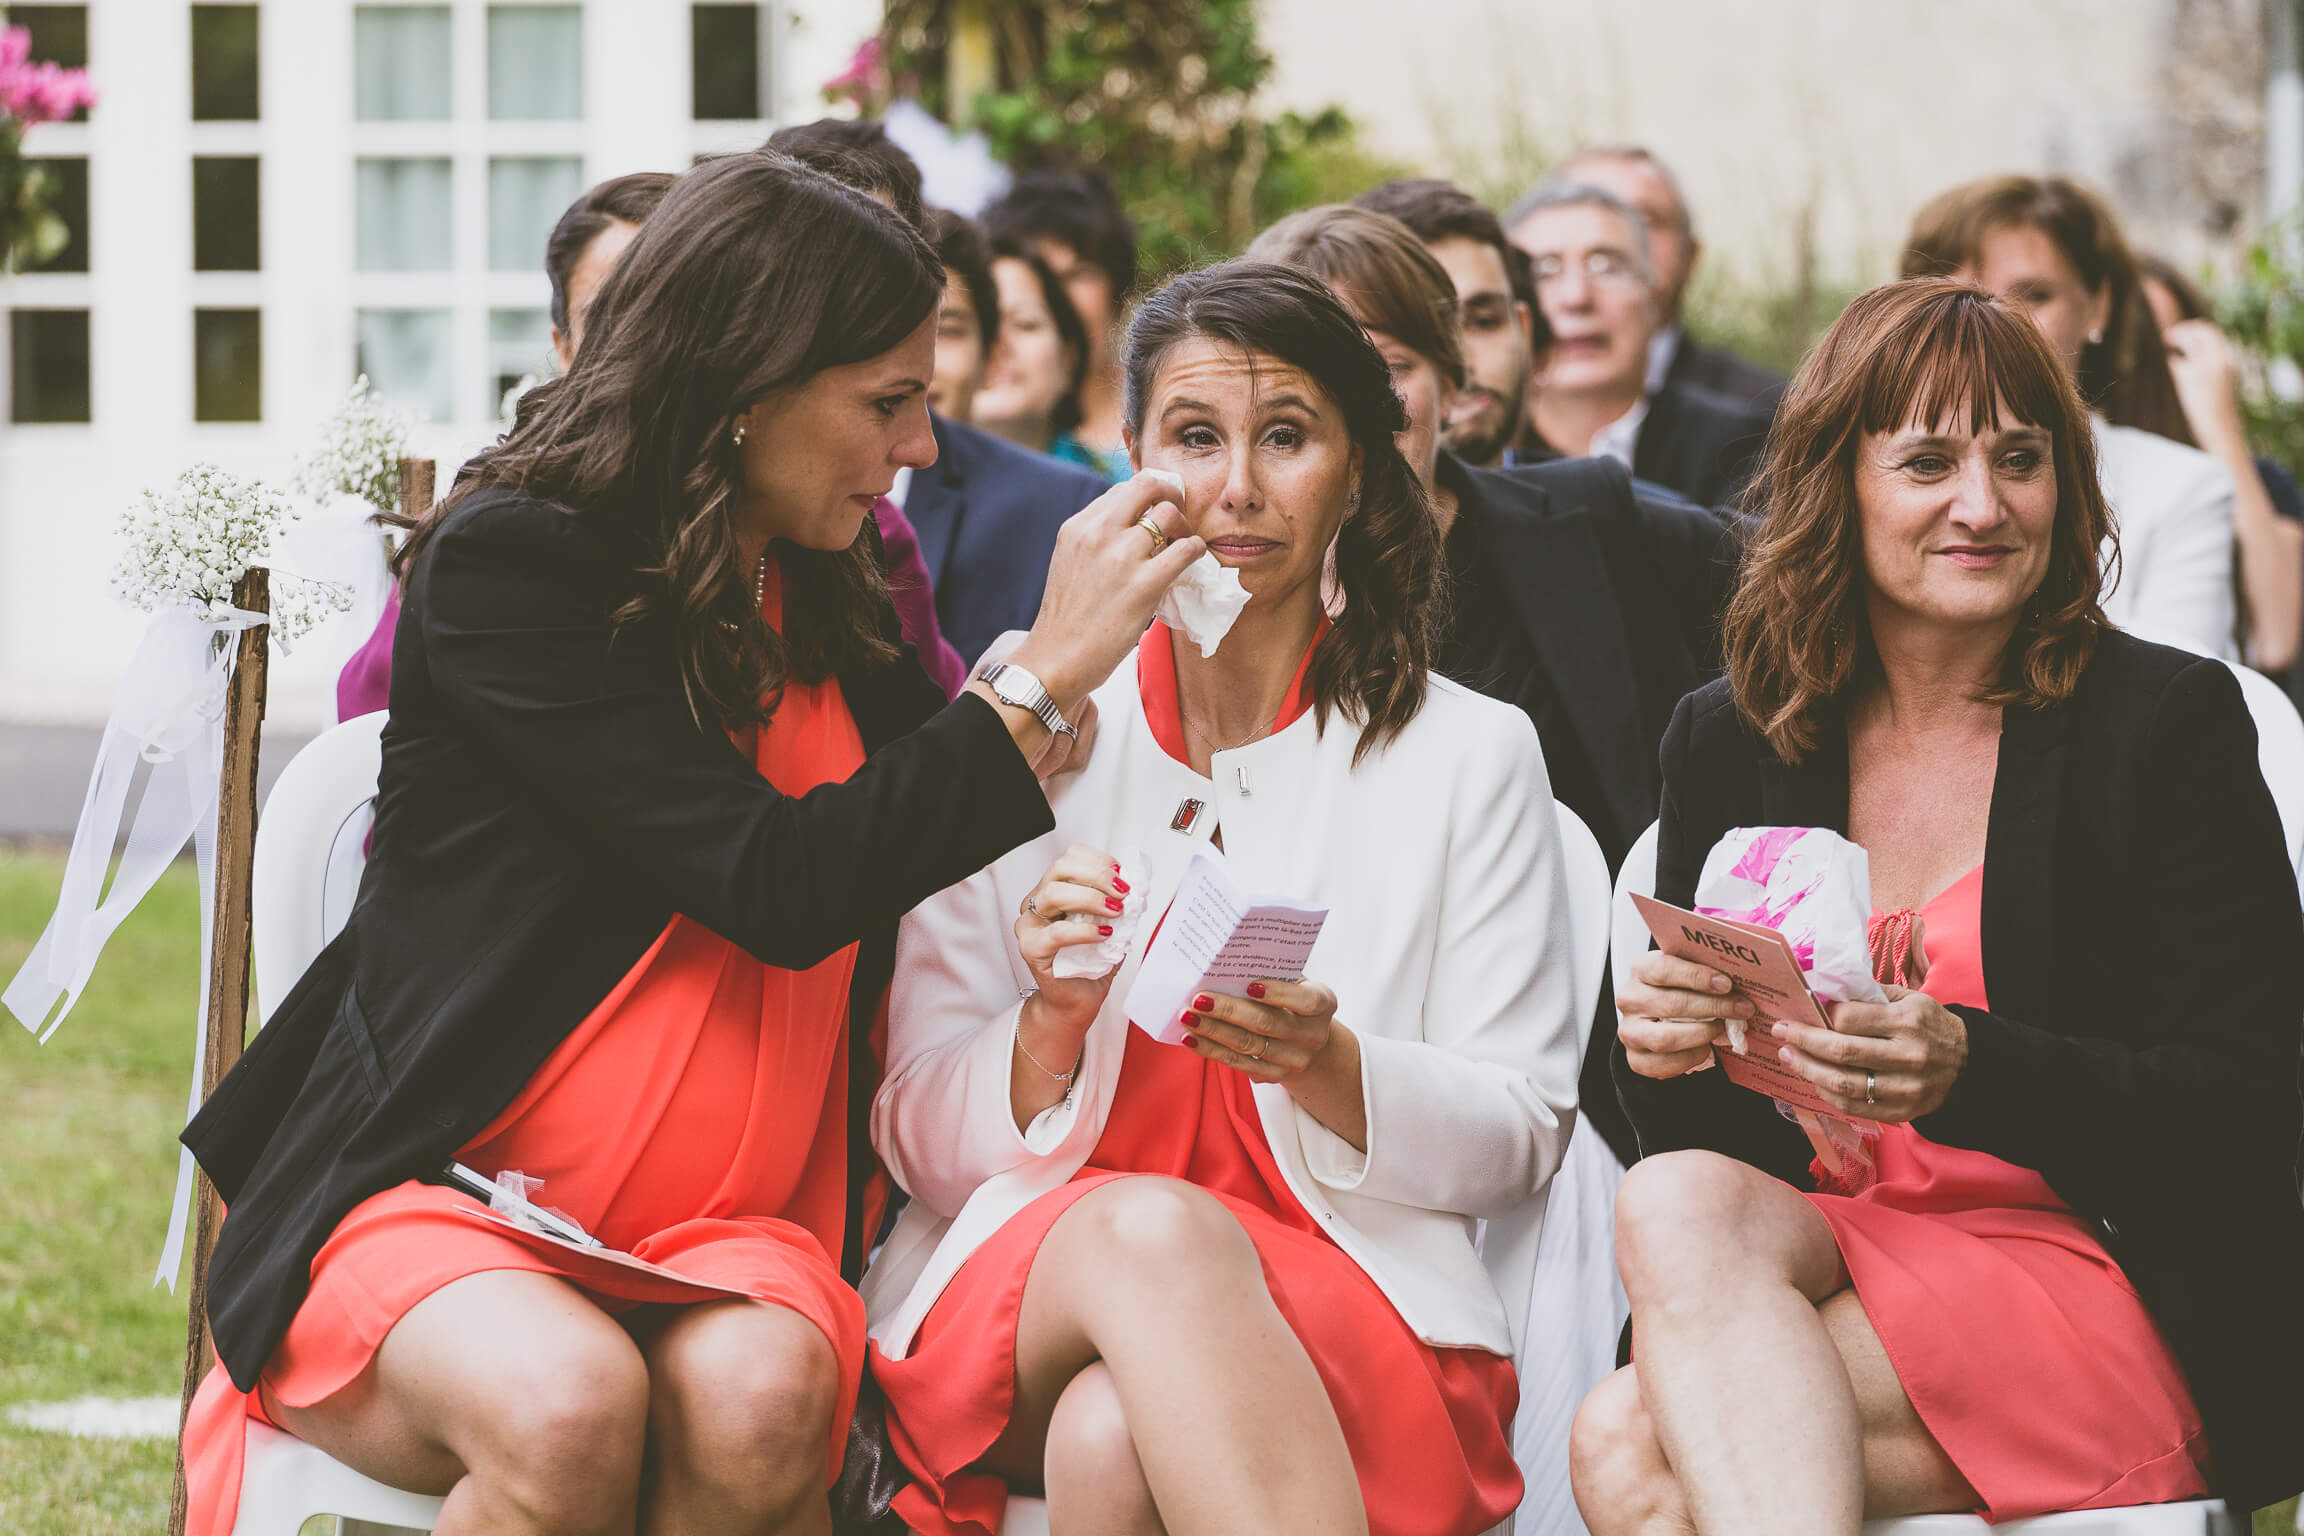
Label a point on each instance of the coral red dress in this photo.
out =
(2024, 1348)
(1429, 1429)
(697, 1120)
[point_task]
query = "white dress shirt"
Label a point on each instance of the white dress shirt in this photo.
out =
(1620, 439)
(2172, 511)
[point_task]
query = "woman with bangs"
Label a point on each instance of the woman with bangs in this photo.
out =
(2066, 1281)
(1230, 1284)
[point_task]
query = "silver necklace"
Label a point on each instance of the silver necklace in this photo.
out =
(760, 583)
(1215, 746)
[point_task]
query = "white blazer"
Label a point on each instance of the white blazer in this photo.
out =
(1446, 944)
(2172, 506)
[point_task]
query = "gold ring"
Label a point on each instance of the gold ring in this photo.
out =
(1159, 539)
(1258, 1053)
(1871, 1083)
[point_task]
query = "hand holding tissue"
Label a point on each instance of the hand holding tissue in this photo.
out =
(1207, 598)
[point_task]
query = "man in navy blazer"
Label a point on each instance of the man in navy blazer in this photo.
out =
(987, 512)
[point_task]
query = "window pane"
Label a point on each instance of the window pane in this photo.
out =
(227, 365)
(408, 355)
(519, 347)
(223, 63)
(536, 62)
(68, 200)
(525, 199)
(400, 68)
(725, 61)
(59, 36)
(403, 216)
(225, 229)
(48, 372)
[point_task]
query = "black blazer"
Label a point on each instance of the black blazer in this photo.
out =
(2143, 951)
(987, 512)
(546, 805)
(1724, 373)
(1699, 443)
(1617, 589)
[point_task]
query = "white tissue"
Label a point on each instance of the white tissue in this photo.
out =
(1207, 598)
(1083, 962)
(1811, 885)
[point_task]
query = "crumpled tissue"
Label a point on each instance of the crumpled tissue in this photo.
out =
(1207, 598)
(1083, 962)
(1811, 885)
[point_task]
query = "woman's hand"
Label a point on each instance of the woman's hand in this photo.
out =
(1890, 1062)
(1286, 1032)
(1671, 1013)
(1073, 904)
(2207, 375)
(1105, 581)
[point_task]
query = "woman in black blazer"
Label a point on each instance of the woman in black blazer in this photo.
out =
(602, 625)
(2070, 1281)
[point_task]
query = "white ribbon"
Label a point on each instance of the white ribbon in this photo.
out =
(168, 714)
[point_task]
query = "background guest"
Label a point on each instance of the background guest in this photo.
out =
(2267, 507)
(968, 324)
(876, 162)
(2054, 249)
(1638, 177)
(2066, 1277)
(1071, 221)
(1503, 331)
(1596, 284)
(1031, 393)
(584, 246)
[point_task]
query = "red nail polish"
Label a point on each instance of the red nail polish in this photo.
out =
(1190, 1022)
(1115, 903)
(1118, 884)
(1255, 989)
(1104, 929)
(1203, 1002)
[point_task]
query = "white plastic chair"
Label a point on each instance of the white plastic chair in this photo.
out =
(2201, 1517)
(311, 845)
(2279, 753)
(1509, 1245)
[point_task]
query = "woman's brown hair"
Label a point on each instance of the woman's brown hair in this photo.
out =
(1923, 351)
(754, 275)
(2125, 373)
(1373, 664)
(1381, 271)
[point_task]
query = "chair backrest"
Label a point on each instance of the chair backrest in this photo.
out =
(2279, 753)
(1627, 932)
(311, 845)
(1508, 1243)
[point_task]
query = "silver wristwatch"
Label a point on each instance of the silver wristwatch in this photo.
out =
(1019, 689)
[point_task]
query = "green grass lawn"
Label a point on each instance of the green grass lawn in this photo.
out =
(88, 1129)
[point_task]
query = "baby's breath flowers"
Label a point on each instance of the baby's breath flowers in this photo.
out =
(361, 445)
(190, 544)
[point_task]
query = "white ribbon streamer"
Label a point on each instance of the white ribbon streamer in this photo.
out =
(168, 714)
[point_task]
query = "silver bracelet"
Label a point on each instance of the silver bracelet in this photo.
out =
(1018, 1037)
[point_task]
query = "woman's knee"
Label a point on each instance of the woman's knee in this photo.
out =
(1149, 1228)
(1615, 1464)
(1679, 1217)
(564, 1436)
(744, 1402)
(1091, 1454)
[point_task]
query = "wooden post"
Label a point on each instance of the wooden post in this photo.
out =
(227, 1021)
(416, 479)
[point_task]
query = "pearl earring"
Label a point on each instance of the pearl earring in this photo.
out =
(737, 436)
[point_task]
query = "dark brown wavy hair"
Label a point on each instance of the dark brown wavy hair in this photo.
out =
(755, 275)
(1797, 636)
(1373, 663)
(2125, 373)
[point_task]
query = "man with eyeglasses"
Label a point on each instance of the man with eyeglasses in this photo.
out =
(1597, 289)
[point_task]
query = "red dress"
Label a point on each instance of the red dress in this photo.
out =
(2024, 1348)
(696, 1119)
(1429, 1429)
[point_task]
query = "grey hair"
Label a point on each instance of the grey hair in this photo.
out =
(1645, 156)
(1578, 194)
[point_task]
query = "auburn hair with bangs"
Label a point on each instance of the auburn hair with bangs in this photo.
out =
(1919, 352)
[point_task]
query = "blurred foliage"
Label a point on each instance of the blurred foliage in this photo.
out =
(1158, 97)
(30, 231)
(1770, 321)
(2262, 310)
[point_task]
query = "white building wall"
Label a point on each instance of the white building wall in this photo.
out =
(63, 637)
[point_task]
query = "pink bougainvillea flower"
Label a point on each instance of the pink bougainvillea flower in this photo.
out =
(863, 70)
(15, 50)
(38, 93)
